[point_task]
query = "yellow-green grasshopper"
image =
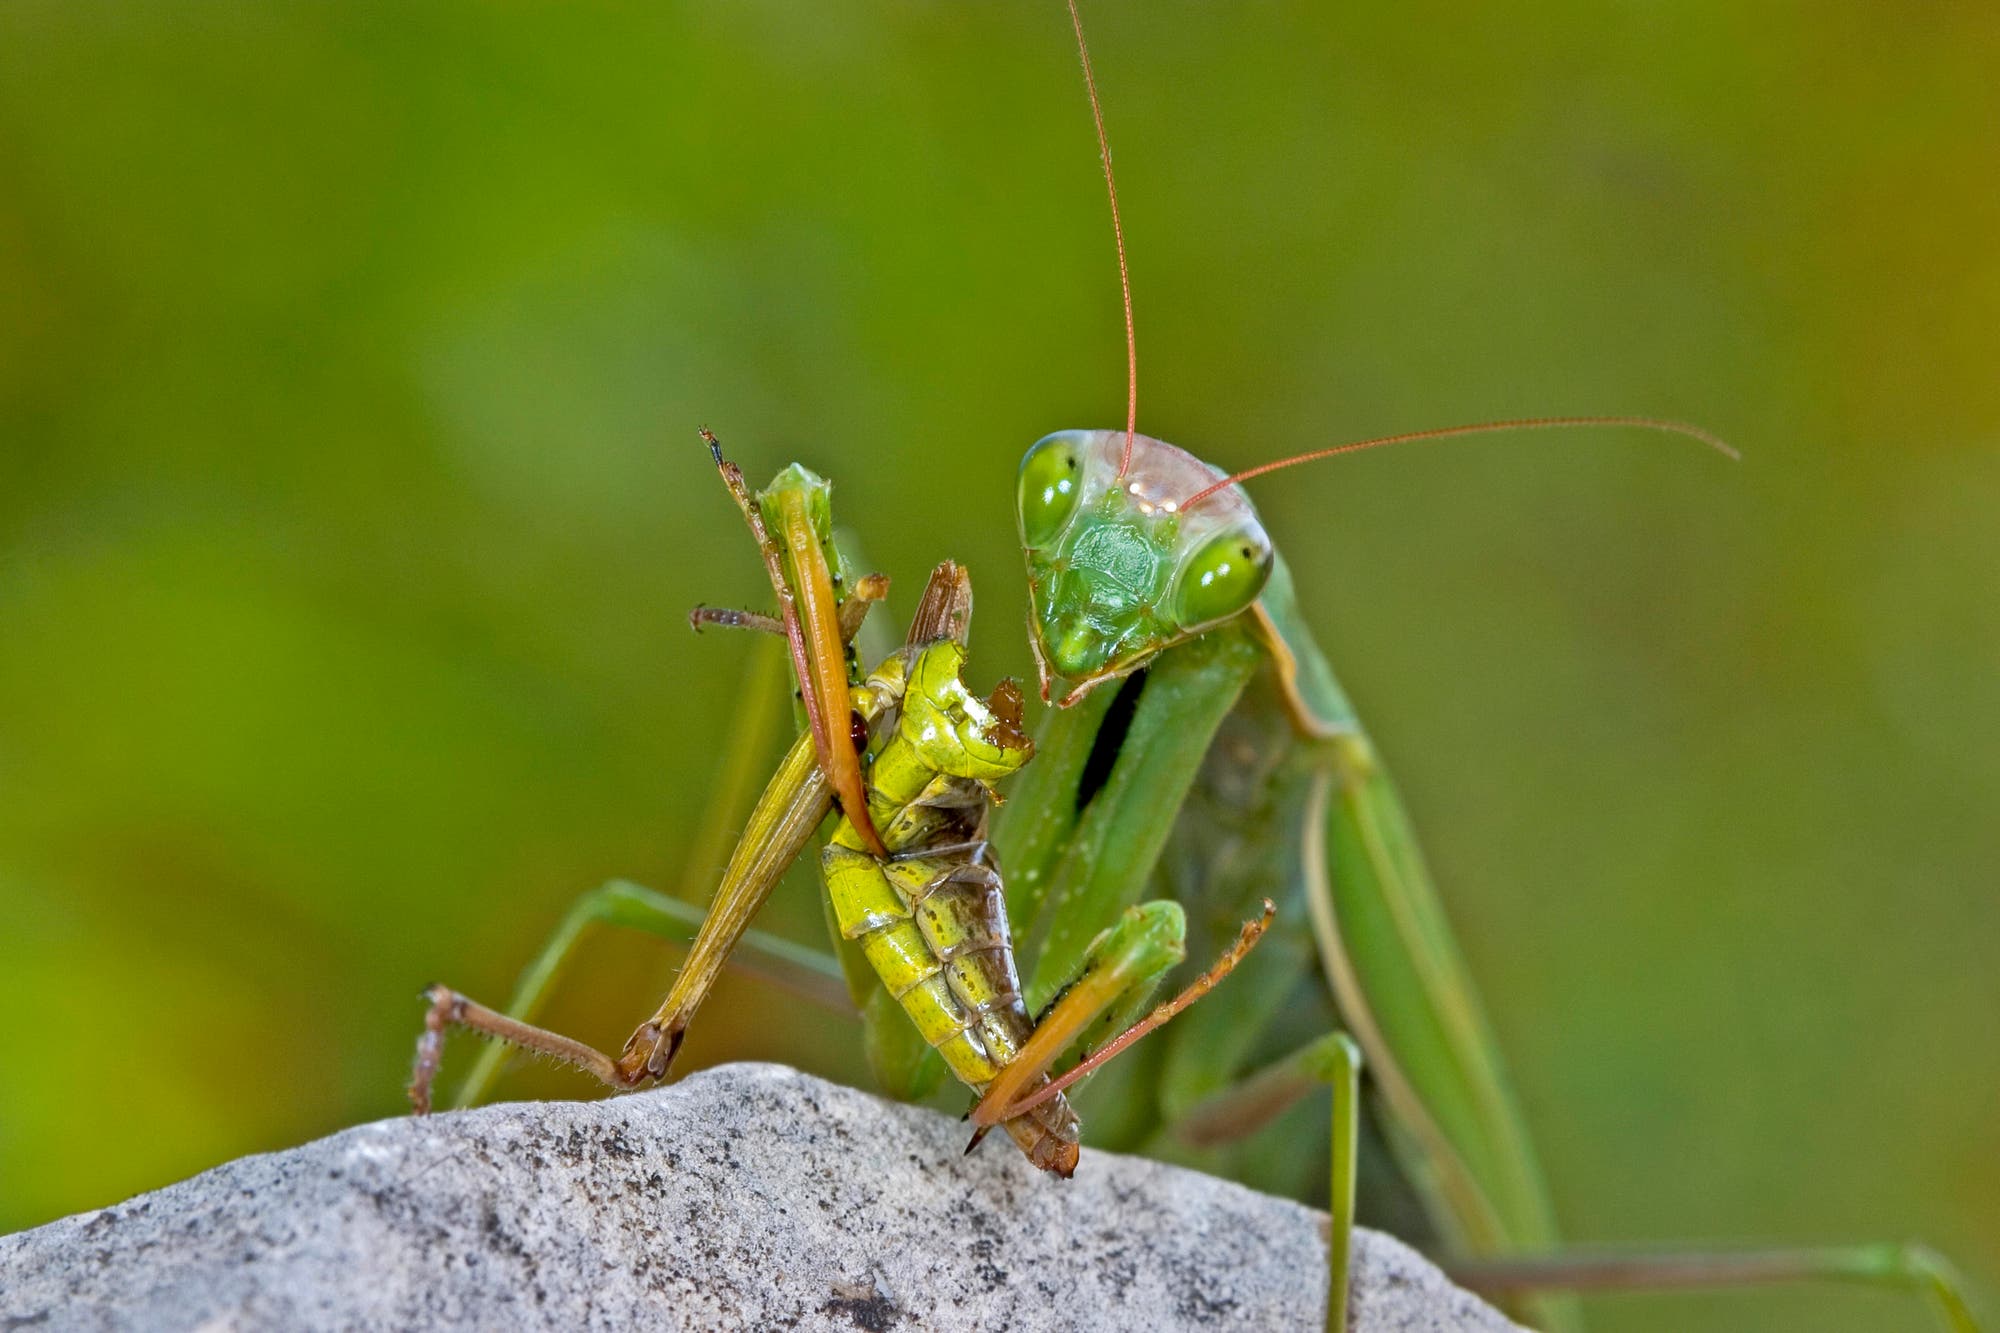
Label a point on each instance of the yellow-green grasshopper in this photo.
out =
(911, 887)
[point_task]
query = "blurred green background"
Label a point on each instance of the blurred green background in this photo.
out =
(350, 505)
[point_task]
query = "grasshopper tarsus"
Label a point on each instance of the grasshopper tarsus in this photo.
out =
(449, 1009)
(445, 1004)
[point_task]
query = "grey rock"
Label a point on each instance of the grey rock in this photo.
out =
(751, 1196)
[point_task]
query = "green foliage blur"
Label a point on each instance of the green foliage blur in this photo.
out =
(350, 505)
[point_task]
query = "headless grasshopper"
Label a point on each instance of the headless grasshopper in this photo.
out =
(908, 869)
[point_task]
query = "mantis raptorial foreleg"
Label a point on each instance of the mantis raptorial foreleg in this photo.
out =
(1121, 967)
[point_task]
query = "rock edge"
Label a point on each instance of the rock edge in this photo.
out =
(750, 1196)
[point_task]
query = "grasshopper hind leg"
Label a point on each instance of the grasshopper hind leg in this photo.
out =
(1122, 967)
(450, 1009)
(617, 903)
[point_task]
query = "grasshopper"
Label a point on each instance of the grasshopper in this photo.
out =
(910, 881)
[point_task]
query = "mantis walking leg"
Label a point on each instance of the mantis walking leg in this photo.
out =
(1899, 1265)
(1334, 1061)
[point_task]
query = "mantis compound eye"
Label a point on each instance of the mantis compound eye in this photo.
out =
(1050, 484)
(1221, 578)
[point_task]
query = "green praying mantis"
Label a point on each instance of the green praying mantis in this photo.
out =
(1201, 749)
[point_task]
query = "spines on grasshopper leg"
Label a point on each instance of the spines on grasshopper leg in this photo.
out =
(782, 824)
(793, 805)
(450, 1009)
(1125, 962)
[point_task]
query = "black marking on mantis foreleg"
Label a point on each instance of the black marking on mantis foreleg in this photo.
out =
(1110, 739)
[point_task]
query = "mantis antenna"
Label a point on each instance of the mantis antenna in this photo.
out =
(1708, 438)
(1442, 433)
(1118, 233)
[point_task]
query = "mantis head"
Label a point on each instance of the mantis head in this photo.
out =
(1121, 566)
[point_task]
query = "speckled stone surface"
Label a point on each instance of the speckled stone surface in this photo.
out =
(751, 1196)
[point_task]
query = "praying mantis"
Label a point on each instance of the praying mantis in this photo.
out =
(1200, 743)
